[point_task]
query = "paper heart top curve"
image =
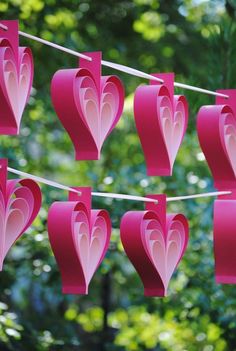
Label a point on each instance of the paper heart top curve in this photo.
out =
(88, 105)
(20, 202)
(216, 127)
(16, 77)
(79, 239)
(155, 243)
(161, 120)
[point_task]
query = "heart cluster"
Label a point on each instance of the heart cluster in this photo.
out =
(80, 237)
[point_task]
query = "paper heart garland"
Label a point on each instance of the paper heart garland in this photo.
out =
(16, 77)
(89, 106)
(79, 238)
(161, 119)
(155, 243)
(20, 202)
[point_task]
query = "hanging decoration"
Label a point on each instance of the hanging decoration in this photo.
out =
(16, 77)
(79, 238)
(88, 105)
(20, 202)
(216, 126)
(155, 243)
(161, 120)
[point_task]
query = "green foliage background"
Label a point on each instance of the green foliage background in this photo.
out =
(197, 40)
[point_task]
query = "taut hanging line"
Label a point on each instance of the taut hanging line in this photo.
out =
(112, 195)
(116, 66)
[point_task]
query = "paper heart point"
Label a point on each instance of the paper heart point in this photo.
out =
(16, 77)
(161, 120)
(89, 105)
(79, 238)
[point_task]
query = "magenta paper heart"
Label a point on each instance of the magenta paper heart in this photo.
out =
(79, 238)
(216, 126)
(161, 120)
(89, 106)
(16, 77)
(20, 202)
(154, 245)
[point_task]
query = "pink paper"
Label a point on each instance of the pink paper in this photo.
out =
(88, 105)
(225, 239)
(161, 119)
(16, 77)
(20, 202)
(79, 238)
(216, 127)
(155, 243)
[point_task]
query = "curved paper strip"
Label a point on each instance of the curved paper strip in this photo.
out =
(89, 106)
(161, 121)
(153, 250)
(16, 77)
(19, 205)
(225, 241)
(216, 126)
(79, 239)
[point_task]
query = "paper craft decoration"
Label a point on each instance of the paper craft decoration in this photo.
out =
(16, 77)
(161, 119)
(216, 127)
(155, 243)
(79, 238)
(225, 239)
(20, 202)
(89, 106)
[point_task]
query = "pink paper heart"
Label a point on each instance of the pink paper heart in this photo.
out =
(164, 253)
(89, 105)
(155, 243)
(79, 238)
(90, 245)
(173, 126)
(18, 208)
(216, 127)
(99, 116)
(161, 119)
(15, 83)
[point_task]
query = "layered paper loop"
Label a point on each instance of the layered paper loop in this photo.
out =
(161, 119)
(216, 127)
(88, 105)
(20, 202)
(79, 238)
(155, 243)
(16, 77)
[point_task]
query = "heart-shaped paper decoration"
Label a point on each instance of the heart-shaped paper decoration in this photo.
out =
(16, 77)
(216, 127)
(79, 238)
(154, 244)
(88, 105)
(20, 202)
(161, 119)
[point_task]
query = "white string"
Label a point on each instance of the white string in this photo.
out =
(117, 66)
(187, 197)
(67, 188)
(114, 195)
